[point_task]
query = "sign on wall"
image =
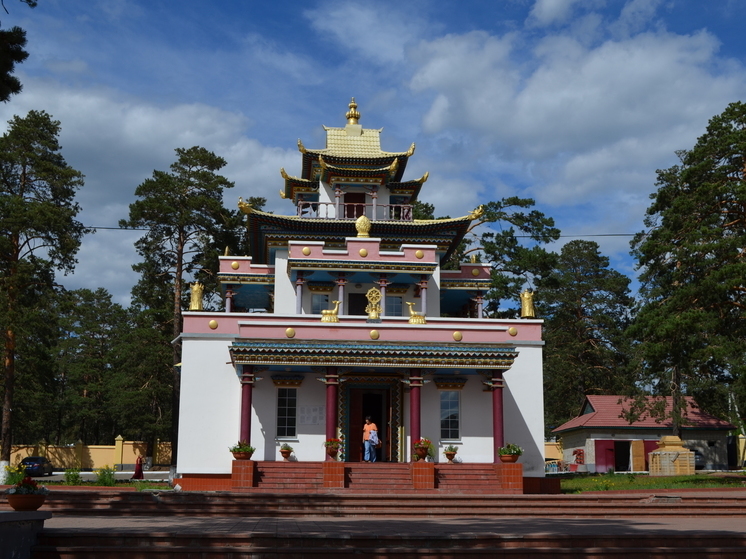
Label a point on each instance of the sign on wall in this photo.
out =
(312, 415)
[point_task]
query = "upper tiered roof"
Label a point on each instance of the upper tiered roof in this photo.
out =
(352, 156)
(351, 152)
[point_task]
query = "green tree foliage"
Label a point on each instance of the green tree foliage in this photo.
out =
(12, 43)
(586, 307)
(692, 325)
(183, 211)
(141, 391)
(38, 230)
(35, 330)
(510, 244)
(423, 210)
(91, 327)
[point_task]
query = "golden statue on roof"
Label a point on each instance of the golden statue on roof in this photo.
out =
(477, 213)
(353, 115)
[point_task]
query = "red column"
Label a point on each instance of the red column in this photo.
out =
(415, 383)
(497, 414)
(247, 385)
(331, 379)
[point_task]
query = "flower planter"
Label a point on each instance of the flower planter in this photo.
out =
(243, 455)
(21, 502)
(331, 451)
(286, 454)
(420, 452)
(450, 456)
(509, 458)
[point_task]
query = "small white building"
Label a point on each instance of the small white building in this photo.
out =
(600, 439)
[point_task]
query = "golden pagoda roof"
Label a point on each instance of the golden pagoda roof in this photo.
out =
(353, 141)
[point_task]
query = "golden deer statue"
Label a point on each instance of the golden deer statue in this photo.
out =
(330, 315)
(415, 317)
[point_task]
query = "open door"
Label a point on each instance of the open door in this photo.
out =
(376, 404)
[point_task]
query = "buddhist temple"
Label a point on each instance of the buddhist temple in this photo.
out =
(343, 310)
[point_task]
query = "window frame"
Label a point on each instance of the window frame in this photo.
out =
(286, 416)
(450, 429)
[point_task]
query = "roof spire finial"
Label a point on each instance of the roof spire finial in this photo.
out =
(353, 115)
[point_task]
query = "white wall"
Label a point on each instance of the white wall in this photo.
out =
(523, 414)
(210, 411)
(523, 408)
(284, 288)
(308, 444)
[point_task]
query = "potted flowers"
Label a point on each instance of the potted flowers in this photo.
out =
(332, 447)
(242, 450)
(450, 453)
(510, 452)
(27, 495)
(286, 450)
(422, 448)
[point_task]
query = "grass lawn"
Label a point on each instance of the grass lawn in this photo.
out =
(625, 482)
(139, 485)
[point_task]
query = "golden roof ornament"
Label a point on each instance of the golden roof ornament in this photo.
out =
(195, 300)
(352, 116)
(363, 226)
(245, 207)
(527, 304)
(301, 147)
(477, 213)
(374, 308)
(393, 167)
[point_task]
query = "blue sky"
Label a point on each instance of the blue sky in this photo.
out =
(574, 103)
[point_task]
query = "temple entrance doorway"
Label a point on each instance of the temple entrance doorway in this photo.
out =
(379, 398)
(373, 403)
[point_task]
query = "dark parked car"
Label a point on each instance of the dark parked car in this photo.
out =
(37, 466)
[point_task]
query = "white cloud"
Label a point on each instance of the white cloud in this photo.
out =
(549, 12)
(117, 143)
(379, 35)
(635, 16)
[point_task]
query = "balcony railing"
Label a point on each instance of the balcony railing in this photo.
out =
(374, 212)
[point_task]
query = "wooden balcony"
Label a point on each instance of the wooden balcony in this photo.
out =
(374, 212)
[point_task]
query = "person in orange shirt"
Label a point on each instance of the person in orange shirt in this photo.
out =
(370, 440)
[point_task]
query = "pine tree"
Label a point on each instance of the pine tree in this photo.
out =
(183, 211)
(38, 230)
(586, 307)
(692, 325)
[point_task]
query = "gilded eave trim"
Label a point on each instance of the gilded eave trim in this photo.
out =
(292, 352)
(359, 265)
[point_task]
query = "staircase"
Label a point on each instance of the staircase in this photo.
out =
(379, 477)
(289, 477)
(386, 523)
(429, 546)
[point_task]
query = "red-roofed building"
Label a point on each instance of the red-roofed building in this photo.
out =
(600, 439)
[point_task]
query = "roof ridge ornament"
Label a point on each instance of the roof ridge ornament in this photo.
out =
(245, 207)
(393, 167)
(353, 115)
(363, 226)
(301, 147)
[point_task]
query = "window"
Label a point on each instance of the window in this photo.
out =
(393, 306)
(449, 415)
(286, 406)
(356, 303)
(319, 302)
